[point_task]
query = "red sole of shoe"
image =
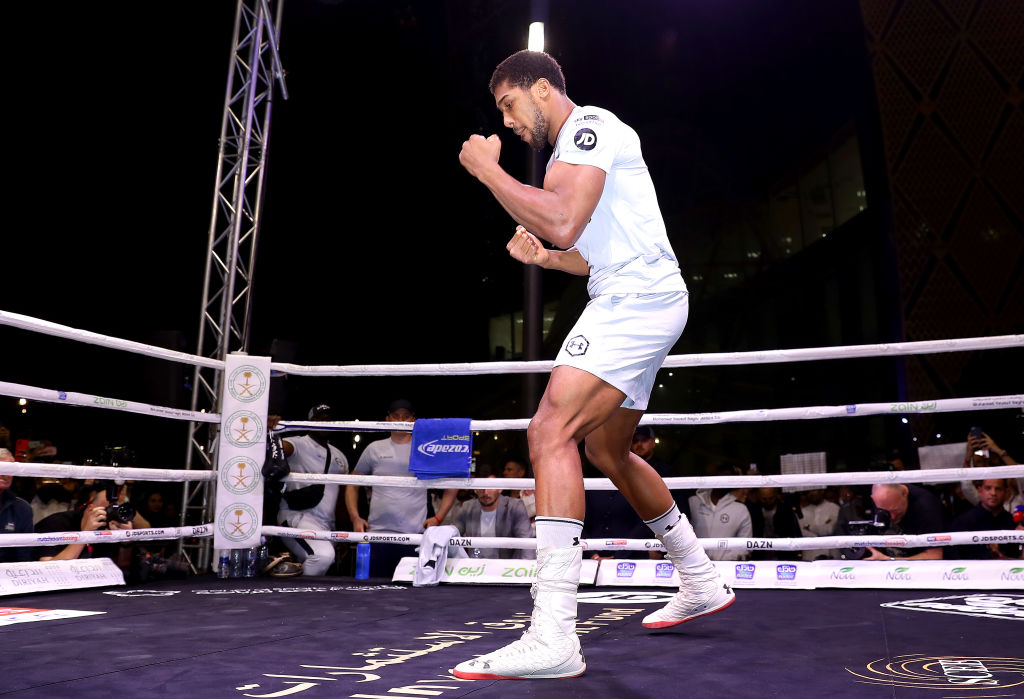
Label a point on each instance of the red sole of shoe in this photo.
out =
(487, 676)
(666, 624)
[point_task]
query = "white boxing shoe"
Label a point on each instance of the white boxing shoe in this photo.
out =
(531, 657)
(550, 648)
(694, 599)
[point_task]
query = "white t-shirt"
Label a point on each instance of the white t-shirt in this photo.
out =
(728, 518)
(397, 510)
(625, 242)
(819, 520)
(309, 457)
(488, 527)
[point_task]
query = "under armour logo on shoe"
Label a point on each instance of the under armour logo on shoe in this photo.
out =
(575, 541)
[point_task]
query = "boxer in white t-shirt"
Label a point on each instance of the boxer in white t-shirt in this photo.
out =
(599, 209)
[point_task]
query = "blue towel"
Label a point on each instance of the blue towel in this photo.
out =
(441, 448)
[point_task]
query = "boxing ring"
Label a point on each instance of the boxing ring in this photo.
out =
(845, 628)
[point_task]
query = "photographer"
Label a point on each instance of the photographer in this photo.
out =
(982, 451)
(100, 505)
(912, 510)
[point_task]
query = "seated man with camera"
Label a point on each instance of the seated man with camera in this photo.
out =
(911, 509)
(99, 505)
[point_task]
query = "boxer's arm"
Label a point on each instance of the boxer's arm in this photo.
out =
(525, 247)
(557, 213)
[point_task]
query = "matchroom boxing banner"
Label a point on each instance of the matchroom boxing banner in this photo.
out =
(240, 451)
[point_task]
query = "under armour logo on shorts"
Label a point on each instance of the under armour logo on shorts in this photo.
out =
(577, 346)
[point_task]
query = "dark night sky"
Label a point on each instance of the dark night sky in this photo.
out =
(376, 246)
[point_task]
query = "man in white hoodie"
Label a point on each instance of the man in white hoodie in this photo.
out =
(717, 514)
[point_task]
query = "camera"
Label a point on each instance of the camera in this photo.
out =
(878, 525)
(123, 513)
(148, 566)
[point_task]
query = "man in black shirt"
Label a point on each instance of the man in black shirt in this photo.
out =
(912, 510)
(988, 514)
(15, 516)
(772, 517)
(89, 515)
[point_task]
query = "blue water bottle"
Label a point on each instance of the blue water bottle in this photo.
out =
(362, 561)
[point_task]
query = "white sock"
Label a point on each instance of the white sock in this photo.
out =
(663, 523)
(674, 530)
(558, 532)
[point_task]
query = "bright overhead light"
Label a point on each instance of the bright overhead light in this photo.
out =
(536, 40)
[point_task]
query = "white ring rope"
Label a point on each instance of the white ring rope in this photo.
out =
(935, 475)
(105, 536)
(48, 395)
(17, 320)
(671, 362)
(937, 539)
(473, 368)
(114, 473)
(126, 473)
(819, 412)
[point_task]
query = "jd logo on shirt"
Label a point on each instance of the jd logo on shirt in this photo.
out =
(585, 139)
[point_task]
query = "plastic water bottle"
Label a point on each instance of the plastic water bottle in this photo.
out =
(251, 556)
(263, 555)
(362, 561)
(237, 563)
(224, 567)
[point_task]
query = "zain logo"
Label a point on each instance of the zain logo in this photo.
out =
(585, 139)
(577, 346)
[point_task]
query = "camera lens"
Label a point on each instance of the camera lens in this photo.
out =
(121, 513)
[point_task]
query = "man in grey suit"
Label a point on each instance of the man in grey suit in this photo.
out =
(494, 514)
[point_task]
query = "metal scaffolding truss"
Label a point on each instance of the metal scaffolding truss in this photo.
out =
(234, 230)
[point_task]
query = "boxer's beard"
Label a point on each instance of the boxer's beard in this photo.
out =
(539, 130)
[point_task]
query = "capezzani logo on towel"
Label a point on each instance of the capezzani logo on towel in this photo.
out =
(448, 444)
(967, 676)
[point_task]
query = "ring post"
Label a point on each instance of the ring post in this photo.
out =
(241, 450)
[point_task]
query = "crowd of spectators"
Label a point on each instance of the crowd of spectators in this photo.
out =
(52, 504)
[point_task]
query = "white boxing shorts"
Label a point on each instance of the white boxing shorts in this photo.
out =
(623, 340)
